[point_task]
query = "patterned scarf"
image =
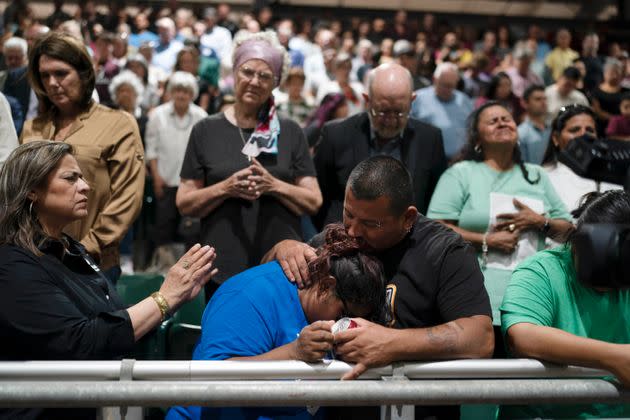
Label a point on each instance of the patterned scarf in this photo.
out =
(264, 139)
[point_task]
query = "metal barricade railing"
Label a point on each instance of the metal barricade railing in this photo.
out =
(292, 383)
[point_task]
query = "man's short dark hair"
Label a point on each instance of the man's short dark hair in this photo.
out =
(625, 96)
(572, 73)
(380, 176)
(531, 89)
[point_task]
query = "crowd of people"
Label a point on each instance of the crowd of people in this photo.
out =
(405, 174)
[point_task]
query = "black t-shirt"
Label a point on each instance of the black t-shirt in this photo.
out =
(242, 231)
(433, 277)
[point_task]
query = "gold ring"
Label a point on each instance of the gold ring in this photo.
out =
(185, 264)
(511, 227)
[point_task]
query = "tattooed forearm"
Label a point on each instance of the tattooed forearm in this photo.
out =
(444, 338)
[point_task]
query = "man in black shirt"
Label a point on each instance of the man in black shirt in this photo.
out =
(437, 300)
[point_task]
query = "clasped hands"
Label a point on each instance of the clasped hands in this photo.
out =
(366, 345)
(250, 183)
(504, 235)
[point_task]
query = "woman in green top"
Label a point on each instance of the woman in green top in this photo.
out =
(491, 174)
(548, 314)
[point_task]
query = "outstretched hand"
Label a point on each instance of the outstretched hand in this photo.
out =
(187, 277)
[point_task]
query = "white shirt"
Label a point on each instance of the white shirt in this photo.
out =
(218, 39)
(571, 187)
(555, 101)
(8, 137)
(166, 139)
(333, 87)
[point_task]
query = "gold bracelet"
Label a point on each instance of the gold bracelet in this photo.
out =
(161, 302)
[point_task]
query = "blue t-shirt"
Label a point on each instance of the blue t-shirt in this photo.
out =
(448, 116)
(250, 314)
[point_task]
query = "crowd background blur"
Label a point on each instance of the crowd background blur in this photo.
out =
(457, 62)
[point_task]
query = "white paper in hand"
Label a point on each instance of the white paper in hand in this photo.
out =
(528, 241)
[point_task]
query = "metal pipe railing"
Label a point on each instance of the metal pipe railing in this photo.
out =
(309, 393)
(196, 370)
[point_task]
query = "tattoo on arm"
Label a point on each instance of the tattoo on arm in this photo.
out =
(444, 337)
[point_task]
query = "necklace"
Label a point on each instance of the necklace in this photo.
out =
(240, 131)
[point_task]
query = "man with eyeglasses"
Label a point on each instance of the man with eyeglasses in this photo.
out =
(384, 129)
(437, 301)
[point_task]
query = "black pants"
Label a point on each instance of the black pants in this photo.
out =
(166, 217)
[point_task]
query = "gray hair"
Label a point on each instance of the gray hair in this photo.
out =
(27, 168)
(16, 43)
(272, 39)
(166, 22)
(183, 80)
(613, 63)
(444, 67)
(126, 77)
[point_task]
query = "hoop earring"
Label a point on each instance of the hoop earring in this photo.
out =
(477, 148)
(30, 209)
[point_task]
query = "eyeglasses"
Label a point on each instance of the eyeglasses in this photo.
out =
(249, 74)
(389, 114)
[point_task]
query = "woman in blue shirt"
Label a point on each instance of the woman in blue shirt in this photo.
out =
(260, 315)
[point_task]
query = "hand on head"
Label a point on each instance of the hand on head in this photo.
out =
(293, 257)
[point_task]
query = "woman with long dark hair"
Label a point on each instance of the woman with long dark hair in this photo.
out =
(500, 90)
(489, 197)
(572, 121)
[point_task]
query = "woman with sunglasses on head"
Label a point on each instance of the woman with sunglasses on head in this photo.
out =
(572, 121)
(247, 173)
(56, 304)
(499, 203)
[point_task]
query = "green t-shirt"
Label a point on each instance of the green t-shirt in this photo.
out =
(544, 291)
(463, 194)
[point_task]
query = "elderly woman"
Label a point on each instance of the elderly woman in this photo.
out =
(261, 315)
(572, 121)
(150, 97)
(126, 91)
(166, 139)
(247, 173)
(55, 301)
(107, 143)
(496, 201)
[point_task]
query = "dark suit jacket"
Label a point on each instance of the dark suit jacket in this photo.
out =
(345, 143)
(18, 86)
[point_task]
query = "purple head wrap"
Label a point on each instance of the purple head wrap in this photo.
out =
(257, 49)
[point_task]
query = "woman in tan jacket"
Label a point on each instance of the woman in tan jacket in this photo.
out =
(107, 144)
